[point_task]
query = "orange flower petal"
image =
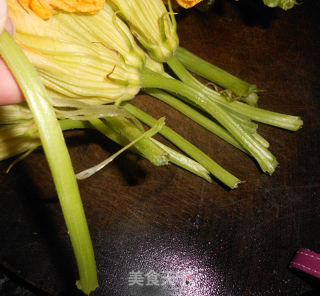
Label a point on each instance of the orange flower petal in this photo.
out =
(89, 6)
(188, 3)
(41, 7)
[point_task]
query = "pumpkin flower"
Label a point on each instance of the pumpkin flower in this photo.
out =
(75, 65)
(82, 59)
(80, 66)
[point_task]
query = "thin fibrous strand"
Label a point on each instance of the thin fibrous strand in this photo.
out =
(21, 157)
(151, 132)
(130, 132)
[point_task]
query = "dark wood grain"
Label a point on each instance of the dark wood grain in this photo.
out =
(164, 219)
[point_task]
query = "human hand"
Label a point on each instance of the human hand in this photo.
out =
(10, 92)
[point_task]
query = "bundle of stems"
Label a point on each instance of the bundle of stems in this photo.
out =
(158, 36)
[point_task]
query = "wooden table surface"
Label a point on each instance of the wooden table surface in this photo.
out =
(143, 219)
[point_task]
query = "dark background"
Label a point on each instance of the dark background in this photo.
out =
(143, 218)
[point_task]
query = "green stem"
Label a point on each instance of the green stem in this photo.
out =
(261, 140)
(194, 115)
(215, 169)
(185, 162)
(246, 123)
(58, 159)
(289, 122)
(70, 124)
(264, 158)
(217, 75)
(284, 121)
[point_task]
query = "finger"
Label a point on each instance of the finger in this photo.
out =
(3, 14)
(10, 92)
(10, 27)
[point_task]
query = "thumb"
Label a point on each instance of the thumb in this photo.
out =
(3, 14)
(10, 91)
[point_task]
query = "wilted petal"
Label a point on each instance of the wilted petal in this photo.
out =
(151, 24)
(19, 137)
(14, 113)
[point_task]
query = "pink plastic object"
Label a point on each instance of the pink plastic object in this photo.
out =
(307, 261)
